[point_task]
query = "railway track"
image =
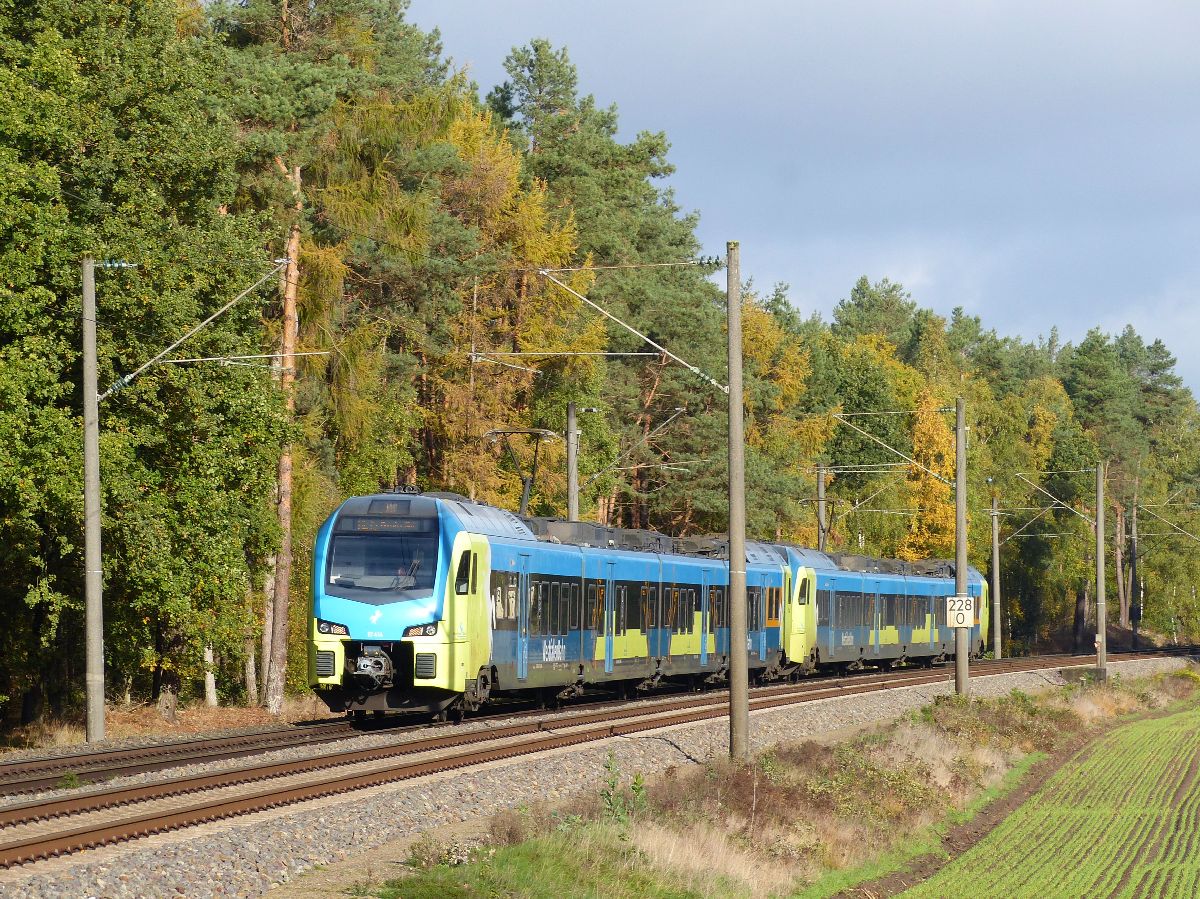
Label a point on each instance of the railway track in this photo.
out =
(63, 824)
(95, 766)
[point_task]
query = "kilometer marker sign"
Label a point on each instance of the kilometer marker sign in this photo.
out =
(960, 611)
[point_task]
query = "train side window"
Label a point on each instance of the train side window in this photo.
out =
(462, 580)
(645, 608)
(824, 607)
(633, 609)
(535, 608)
(573, 609)
(652, 619)
(802, 593)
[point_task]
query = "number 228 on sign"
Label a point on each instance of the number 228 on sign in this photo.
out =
(960, 611)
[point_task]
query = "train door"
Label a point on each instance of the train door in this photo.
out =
(795, 644)
(705, 611)
(578, 614)
(759, 614)
(523, 619)
(877, 615)
(610, 617)
(656, 643)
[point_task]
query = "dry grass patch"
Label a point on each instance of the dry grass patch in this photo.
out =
(709, 863)
(143, 720)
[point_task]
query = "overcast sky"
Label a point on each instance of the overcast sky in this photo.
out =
(1036, 163)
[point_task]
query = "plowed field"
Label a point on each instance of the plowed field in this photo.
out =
(1121, 819)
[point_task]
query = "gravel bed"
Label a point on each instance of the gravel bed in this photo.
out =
(56, 753)
(247, 857)
(368, 740)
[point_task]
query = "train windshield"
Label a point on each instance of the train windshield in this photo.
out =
(376, 559)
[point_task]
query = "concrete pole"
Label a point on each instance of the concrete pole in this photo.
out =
(1135, 610)
(93, 584)
(739, 672)
(572, 465)
(1101, 607)
(962, 635)
(822, 527)
(995, 579)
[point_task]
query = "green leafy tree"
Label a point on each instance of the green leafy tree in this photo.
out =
(117, 152)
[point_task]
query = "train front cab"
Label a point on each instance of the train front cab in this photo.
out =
(406, 654)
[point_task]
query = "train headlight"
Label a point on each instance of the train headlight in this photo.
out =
(421, 630)
(328, 627)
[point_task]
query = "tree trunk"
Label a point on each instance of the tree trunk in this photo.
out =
(277, 673)
(268, 627)
(1119, 562)
(156, 676)
(168, 696)
(210, 678)
(1079, 643)
(250, 673)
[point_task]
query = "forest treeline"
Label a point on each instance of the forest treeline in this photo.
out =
(203, 142)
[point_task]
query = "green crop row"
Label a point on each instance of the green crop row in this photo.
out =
(1119, 820)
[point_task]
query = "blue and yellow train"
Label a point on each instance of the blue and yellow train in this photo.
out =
(432, 602)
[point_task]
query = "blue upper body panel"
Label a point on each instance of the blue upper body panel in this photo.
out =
(511, 539)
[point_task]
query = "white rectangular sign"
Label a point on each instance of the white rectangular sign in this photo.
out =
(960, 611)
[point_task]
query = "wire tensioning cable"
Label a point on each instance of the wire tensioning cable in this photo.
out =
(1169, 524)
(632, 330)
(1057, 501)
(891, 449)
(232, 359)
(601, 268)
(126, 380)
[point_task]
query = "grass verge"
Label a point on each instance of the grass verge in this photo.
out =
(803, 819)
